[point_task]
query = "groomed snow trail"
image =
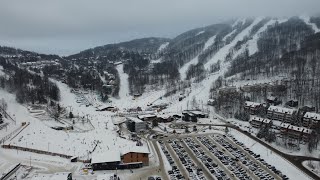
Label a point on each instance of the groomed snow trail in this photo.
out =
(306, 19)
(183, 70)
(163, 46)
(222, 53)
(252, 44)
(124, 82)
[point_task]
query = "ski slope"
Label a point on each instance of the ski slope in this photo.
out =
(124, 83)
(306, 19)
(183, 70)
(222, 53)
(252, 43)
(163, 46)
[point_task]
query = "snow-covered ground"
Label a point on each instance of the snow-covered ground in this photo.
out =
(39, 136)
(313, 166)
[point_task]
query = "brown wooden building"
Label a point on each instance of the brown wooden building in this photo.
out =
(135, 156)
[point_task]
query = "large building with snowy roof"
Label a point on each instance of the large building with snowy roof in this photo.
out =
(311, 120)
(105, 161)
(135, 154)
(124, 158)
(257, 122)
(252, 107)
(295, 132)
(135, 125)
(280, 114)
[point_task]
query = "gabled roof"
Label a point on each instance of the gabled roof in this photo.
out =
(134, 119)
(252, 104)
(281, 109)
(146, 116)
(136, 149)
(313, 116)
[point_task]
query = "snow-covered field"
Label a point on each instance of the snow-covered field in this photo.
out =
(39, 135)
(313, 166)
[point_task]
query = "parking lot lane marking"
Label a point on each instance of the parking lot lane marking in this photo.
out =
(253, 159)
(248, 171)
(216, 160)
(207, 173)
(176, 160)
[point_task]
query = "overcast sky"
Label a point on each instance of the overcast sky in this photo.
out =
(68, 26)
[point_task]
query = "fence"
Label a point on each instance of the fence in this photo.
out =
(2, 140)
(35, 151)
(7, 115)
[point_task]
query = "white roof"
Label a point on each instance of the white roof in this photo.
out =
(196, 112)
(307, 131)
(295, 128)
(164, 116)
(136, 149)
(107, 156)
(252, 104)
(284, 125)
(264, 120)
(134, 119)
(313, 116)
(257, 119)
(272, 98)
(104, 107)
(281, 109)
(146, 116)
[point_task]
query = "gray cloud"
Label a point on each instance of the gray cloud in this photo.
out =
(68, 26)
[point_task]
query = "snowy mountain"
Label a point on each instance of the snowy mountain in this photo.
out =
(259, 59)
(232, 51)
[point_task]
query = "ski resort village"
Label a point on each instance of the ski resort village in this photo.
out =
(236, 100)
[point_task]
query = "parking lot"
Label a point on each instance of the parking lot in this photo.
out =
(215, 156)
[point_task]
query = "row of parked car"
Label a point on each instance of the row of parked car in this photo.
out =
(193, 171)
(209, 163)
(256, 167)
(242, 158)
(174, 173)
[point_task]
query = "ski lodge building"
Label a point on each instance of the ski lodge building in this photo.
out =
(126, 158)
(311, 120)
(257, 122)
(280, 114)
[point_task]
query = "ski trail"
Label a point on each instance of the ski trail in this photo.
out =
(222, 53)
(183, 70)
(124, 83)
(306, 19)
(252, 43)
